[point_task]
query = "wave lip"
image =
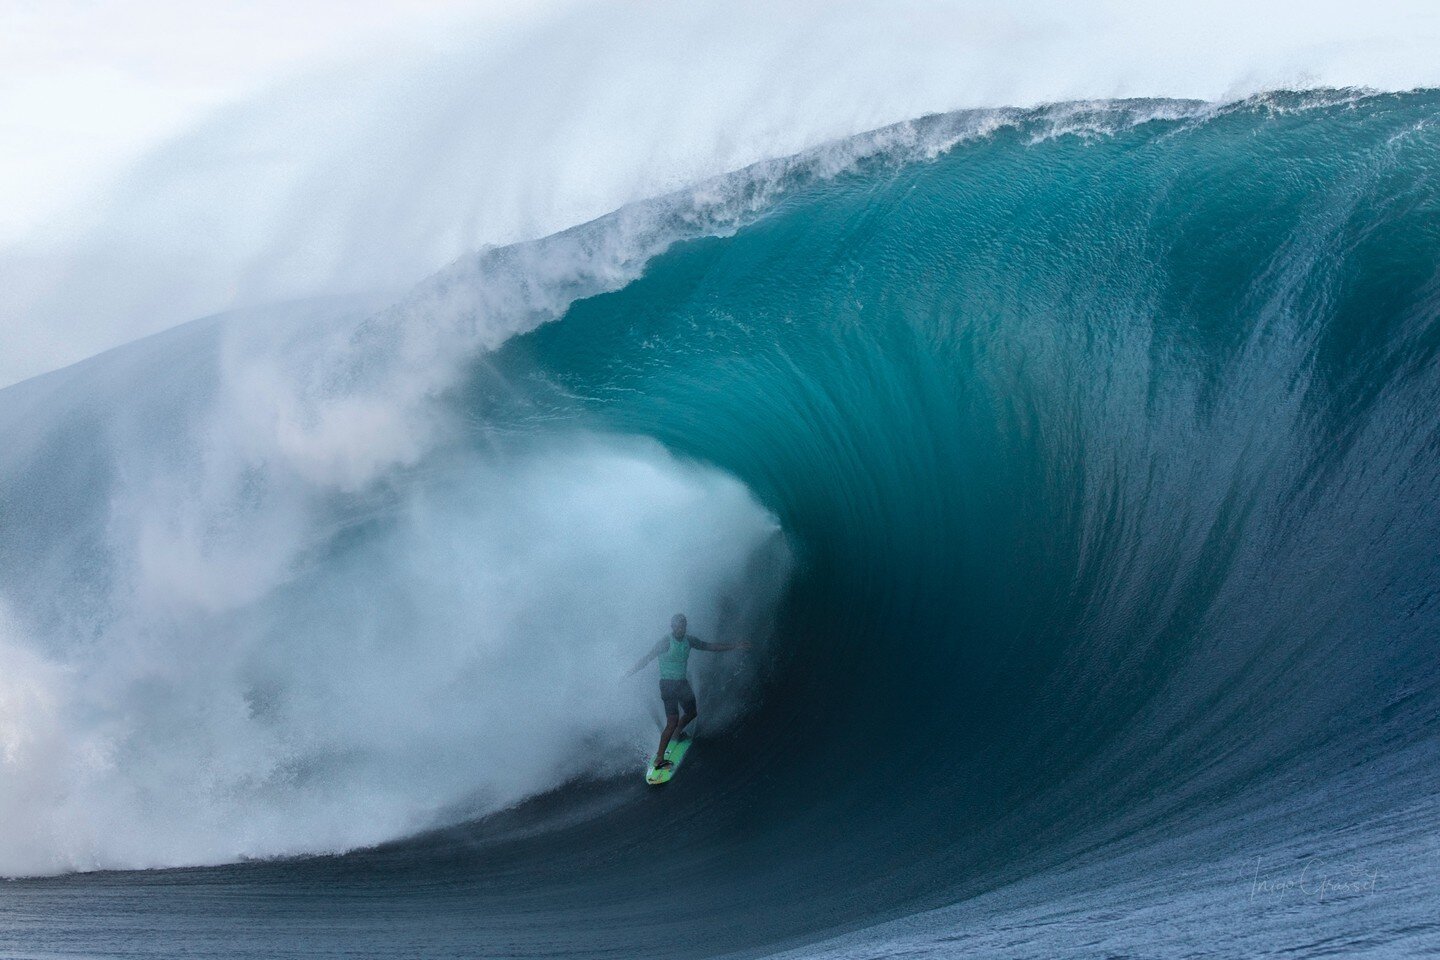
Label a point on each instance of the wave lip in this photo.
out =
(373, 174)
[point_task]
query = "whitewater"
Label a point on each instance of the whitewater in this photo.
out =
(1047, 392)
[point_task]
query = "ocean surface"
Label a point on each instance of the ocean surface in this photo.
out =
(1075, 471)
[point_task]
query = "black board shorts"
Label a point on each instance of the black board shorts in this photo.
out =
(676, 694)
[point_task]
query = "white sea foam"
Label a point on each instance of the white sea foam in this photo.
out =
(457, 652)
(289, 637)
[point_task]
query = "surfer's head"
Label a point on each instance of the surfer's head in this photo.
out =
(678, 625)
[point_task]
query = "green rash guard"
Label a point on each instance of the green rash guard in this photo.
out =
(675, 656)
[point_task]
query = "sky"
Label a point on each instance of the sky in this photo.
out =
(87, 85)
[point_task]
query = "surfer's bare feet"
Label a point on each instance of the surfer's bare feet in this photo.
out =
(663, 764)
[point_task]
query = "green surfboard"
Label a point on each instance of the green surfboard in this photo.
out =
(675, 753)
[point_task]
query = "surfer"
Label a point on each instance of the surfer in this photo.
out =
(673, 650)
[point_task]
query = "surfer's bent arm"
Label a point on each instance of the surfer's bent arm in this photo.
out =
(640, 665)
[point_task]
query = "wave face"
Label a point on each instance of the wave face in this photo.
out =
(1080, 480)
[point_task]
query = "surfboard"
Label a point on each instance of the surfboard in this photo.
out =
(674, 752)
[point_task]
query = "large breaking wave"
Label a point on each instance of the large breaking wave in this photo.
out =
(1076, 465)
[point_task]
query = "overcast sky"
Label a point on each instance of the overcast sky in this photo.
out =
(87, 84)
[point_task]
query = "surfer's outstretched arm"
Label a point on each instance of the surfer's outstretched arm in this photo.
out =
(640, 665)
